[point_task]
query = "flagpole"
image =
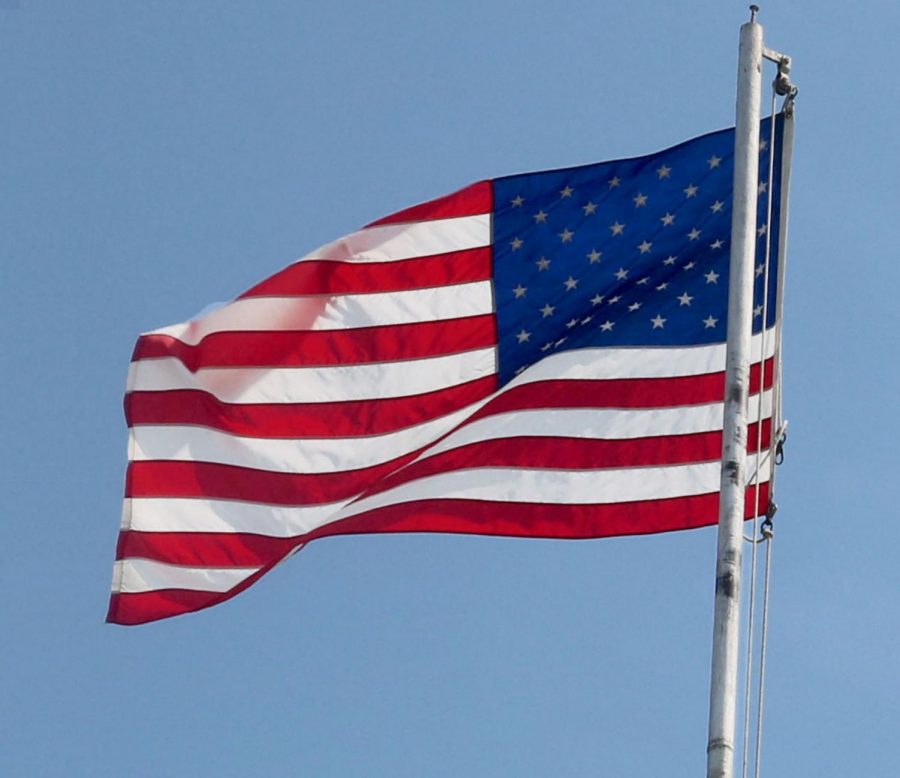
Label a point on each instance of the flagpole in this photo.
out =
(726, 624)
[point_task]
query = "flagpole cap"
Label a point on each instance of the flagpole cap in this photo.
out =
(754, 9)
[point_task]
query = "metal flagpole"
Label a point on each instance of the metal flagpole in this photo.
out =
(726, 624)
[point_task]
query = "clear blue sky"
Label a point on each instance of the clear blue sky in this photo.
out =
(156, 157)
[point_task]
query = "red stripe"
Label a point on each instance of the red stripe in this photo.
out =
(474, 199)
(143, 607)
(296, 420)
(210, 480)
(528, 451)
(516, 519)
(612, 393)
(228, 482)
(345, 419)
(455, 516)
(204, 549)
(570, 454)
(765, 440)
(754, 376)
(618, 393)
(314, 276)
(322, 348)
(540, 520)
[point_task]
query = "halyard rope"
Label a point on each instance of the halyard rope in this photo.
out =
(748, 673)
(784, 87)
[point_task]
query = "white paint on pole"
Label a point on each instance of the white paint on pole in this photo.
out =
(726, 625)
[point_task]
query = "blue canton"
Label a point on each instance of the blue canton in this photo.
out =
(633, 252)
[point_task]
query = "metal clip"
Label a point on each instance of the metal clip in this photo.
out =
(779, 448)
(767, 528)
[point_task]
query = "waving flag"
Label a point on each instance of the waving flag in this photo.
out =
(539, 355)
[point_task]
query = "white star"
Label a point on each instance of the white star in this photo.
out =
(759, 270)
(714, 161)
(614, 182)
(597, 299)
(520, 370)
(690, 265)
(543, 263)
(640, 200)
(586, 320)
(694, 234)
(571, 323)
(691, 190)
(517, 201)
(621, 274)
(589, 208)
(523, 336)
(763, 144)
(547, 310)
(710, 322)
(607, 326)
(570, 283)
(684, 299)
(547, 346)
(643, 281)
(711, 277)
(668, 219)
(663, 171)
(617, 228)
(566, 236)
(758, 311)
(516, 244)
(519, 291)
(560, 341)
(670, 260)
(717, 244)
(717, 206)
(644, 247)
(613, 300)
(761, 230)
(540, 217)
(662, 286)
(594, 256)
(762, 187)
(634, 306)
(658, 322)
(567, 192)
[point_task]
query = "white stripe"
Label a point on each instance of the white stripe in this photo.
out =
(331, 455)
(609, 363)
(286, 385)
(569, 487)
(316, 384)
(338, 312)
(144, 575)
(287, 455)
(595, 424)
(394, 242)
(168, 514)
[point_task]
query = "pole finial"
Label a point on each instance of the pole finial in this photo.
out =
(754, 9)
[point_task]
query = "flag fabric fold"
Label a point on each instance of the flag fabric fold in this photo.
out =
(539, 355)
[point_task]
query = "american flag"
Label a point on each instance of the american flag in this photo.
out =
(538, 355)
